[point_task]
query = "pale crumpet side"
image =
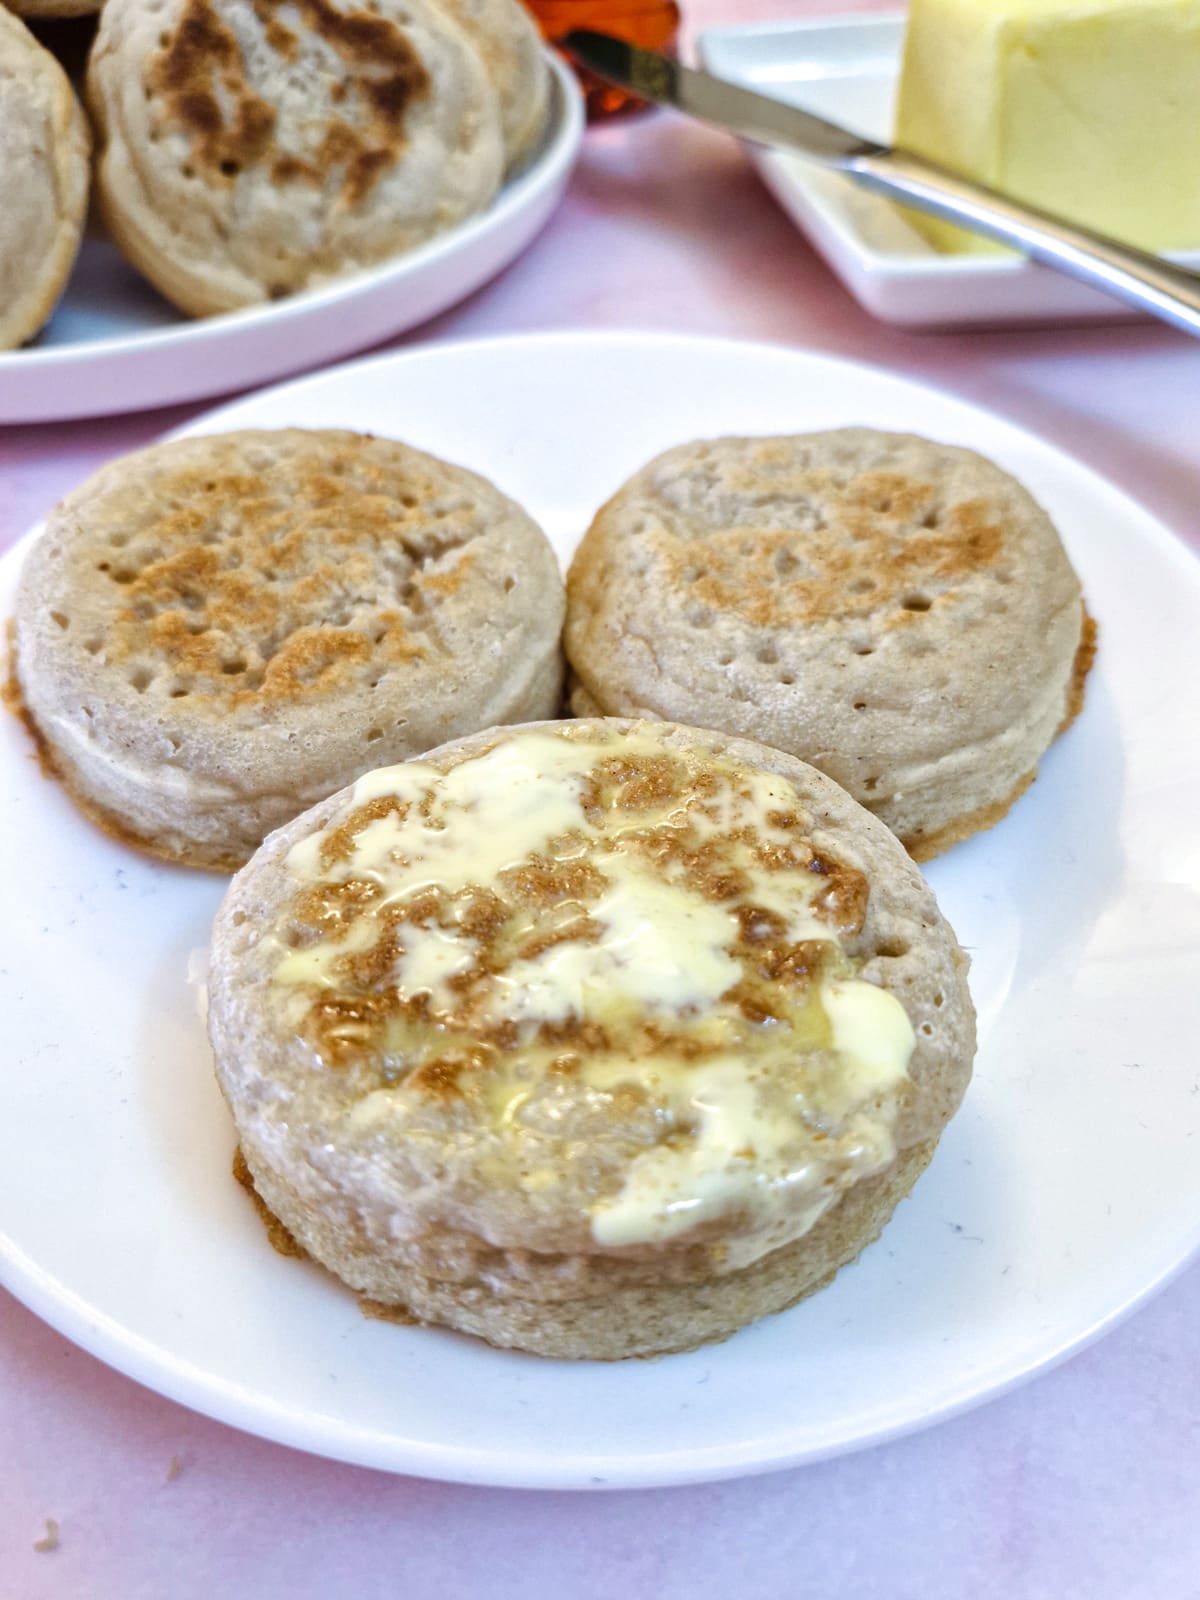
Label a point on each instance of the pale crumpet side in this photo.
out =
(215, 632)
(508, 41)
(45, 150)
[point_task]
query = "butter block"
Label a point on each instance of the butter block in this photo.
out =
(1087, 108)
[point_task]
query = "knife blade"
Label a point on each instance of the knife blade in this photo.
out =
(1147, 281)
(752, 116)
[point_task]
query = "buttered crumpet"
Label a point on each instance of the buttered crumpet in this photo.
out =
(899, 613)
(251, 148)
(593, 1039)
(214, 633)
(44, 154)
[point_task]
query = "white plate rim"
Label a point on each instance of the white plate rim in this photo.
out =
(535, 185)
(231, 1403)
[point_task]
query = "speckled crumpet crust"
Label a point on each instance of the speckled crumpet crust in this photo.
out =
(432, 1218)
(252, 148)
(213, 633)
(508, 41)
(900, 613)
(44, 155)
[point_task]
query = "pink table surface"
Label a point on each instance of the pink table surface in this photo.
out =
(1085, 1482)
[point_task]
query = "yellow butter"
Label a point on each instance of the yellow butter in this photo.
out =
(769, 1120)
(744, 1151)
(1087, 108)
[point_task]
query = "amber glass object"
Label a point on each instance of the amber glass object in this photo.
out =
(654, 24)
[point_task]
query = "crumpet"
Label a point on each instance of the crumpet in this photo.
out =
(899, 613)
(594, 1039)
(215, 632)
(253, 148)
(45, 149)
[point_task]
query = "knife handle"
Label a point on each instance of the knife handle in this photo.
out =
(1145, 280)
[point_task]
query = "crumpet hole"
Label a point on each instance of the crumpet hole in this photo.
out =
(62, 619)
(916, 602)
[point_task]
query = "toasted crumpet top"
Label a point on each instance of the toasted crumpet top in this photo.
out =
(251, 147)
(612, 974)
(200, 77)
(260, 582)
(842, 594)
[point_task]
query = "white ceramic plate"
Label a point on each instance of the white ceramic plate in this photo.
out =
(845, 68)
(115, 345)
(1066, 1191)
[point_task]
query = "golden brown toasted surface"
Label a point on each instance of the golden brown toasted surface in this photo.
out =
(879, 543)
(13, 700)
(1085, 658)
(899, 612)
(594, 1180)
(280, 1238)
(214, 631)
(925, 846)
(200, 76)
(241, 584)
(685, 821)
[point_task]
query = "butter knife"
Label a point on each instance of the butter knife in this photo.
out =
(1144, 280)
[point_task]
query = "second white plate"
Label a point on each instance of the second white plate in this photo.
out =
(845, 68)
(115, 345)
(1064, 1192)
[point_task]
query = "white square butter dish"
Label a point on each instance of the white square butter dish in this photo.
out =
(846, 68)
